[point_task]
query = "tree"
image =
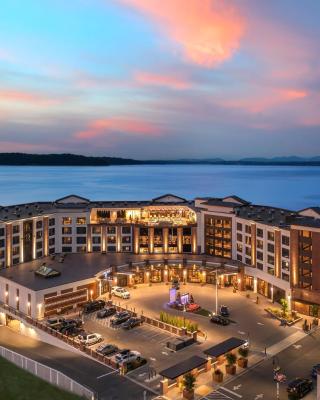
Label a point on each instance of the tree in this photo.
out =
(189, 381)
(284, 307)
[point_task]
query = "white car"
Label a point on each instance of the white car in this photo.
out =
(120, 292)
(127, 356)
(89, 339)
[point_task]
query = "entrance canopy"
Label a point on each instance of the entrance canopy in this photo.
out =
(183, 367)
(224, 347)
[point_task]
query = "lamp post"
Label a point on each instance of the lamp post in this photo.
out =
(216, 291)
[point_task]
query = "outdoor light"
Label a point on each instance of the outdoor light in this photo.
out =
(184, 272)
(166, 272)
(239, 280)
(17, 298)
(28, 303)
(6, 293)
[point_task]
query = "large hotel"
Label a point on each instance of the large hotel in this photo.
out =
(56, 255)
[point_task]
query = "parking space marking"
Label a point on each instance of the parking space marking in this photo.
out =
(231, 392)
(260, 323)
(108, 373)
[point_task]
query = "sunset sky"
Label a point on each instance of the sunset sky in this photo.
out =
(160, 78)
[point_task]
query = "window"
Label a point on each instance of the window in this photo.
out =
(126, 239)
(39, 245)
(15, 240)
(260, 266)
(285, 277)
(285, 240)
(67, 240)
(239, 247)
(248, 229)
(270, 259)
(96, 248)
(239, 237)
(260, 255)
(248, 240)
(126, 248)
(239, 226)
(81, 240)
(39, 225)
(285, 265)
(1, 231)
(270, 271)
(239, 257)
(81, 249)
(248, 251)
(248, 261)
(96, 240)
(2, 253)
(52, 221)
(52, 231)
(39, 234)
(15, 229)
(260, 232)
(52, 241)
(81, 230)
(271, 236)
(66, 249)
(81, 221)
(126, 230)
(15, 251)
(186, 231)
(15, 261)
(2, 244)
(270, 248)
(96, 230)
(285, 253)
(67, 230)
(66, 221)
(260, 244)
(111, 230)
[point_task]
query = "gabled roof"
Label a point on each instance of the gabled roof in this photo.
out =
(235, 199)
(72, 198)
(169, 198)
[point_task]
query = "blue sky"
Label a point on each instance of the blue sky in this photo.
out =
(159, 78)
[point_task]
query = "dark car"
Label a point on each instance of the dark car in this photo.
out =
(107, 349)
(120, 317)
(300, 387)
(224, 311)
(106, 312)
(72, 331)
(93, 306)
(70, 323)
(131, 323)
(314, 370)
(218, 319)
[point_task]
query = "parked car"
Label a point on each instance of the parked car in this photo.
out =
(300, 387)
(107, 349)
(120, 292)
(67, 323)
(94, 305)
(90, 338)
(72, 331)
(314, 370)
(218, 319)
(120, 317)
(55, 323)
(106, 312)
(127, 357)
(131, 323)
(224, 311)
(192, 307)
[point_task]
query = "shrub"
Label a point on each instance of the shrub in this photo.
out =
(179, 322)
(189, 381)
(243, 352)
(231, 358)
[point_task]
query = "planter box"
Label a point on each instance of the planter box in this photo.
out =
(243, 362)
(280, 319)
(189, 395)
(231, 369)
(217, 377)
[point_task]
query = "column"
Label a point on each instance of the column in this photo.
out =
(45, 236)
(179, 239)
(34, 239)
(255, 285)
(294, 256)
(194, 240)
(136, 239)
(151, 240)
(103, 238)
(253, 245)
(165, 235)
(89, 238)
(8, 245)
(118, 239)
(277, 253)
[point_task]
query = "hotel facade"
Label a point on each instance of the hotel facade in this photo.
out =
(92, 245)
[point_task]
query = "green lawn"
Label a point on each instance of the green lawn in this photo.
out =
(18, 384)
(204, 312)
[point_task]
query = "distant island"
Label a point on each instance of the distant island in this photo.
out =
(80, 160)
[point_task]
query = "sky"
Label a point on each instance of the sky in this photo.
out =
(160, 79)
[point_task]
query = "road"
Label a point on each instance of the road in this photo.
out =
(295, 361)
(108, 384)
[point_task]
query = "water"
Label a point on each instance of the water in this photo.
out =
(289, 187)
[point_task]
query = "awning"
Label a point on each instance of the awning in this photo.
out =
(224, 347)
(183, 367)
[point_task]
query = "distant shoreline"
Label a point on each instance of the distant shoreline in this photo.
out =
(73, 160)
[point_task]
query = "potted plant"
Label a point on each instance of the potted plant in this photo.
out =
(188, 386)
(217, 375)
(231, 361)
(243, 360)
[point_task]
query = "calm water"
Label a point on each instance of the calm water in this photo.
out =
(291, 187)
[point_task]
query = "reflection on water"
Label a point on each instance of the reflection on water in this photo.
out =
(290, 187)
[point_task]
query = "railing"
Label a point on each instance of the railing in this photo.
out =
(48, 374)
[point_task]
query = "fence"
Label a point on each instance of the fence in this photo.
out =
(48, 374)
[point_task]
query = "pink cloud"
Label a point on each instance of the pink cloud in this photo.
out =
(102, 127)
(25, 97)
(209, 31)
(170, 81)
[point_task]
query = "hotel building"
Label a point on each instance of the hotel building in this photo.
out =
(270, 251)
